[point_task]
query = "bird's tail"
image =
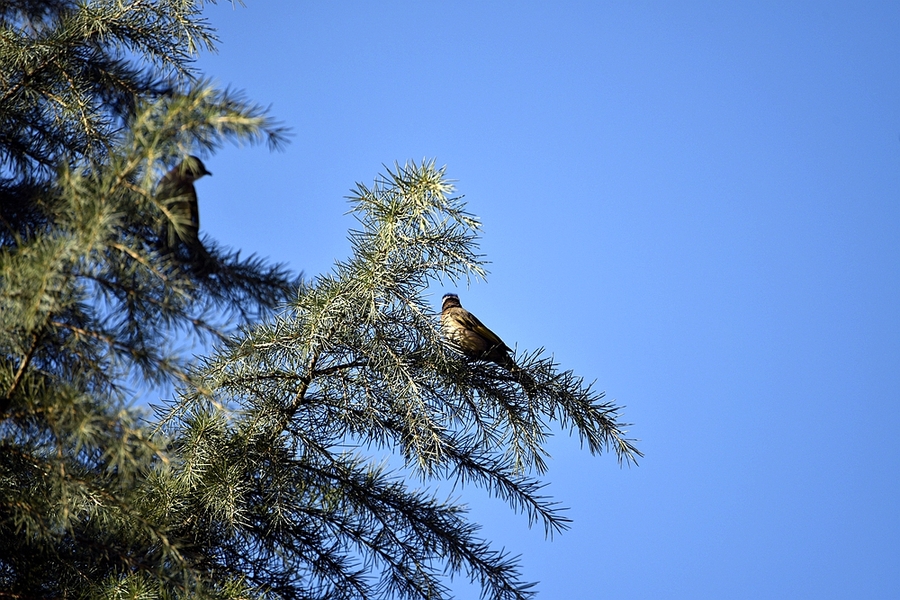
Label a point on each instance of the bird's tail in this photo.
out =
(202, 261)
(522, 376)
(525, 380)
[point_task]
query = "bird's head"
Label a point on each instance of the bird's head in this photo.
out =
(450, 301)
(192, 168)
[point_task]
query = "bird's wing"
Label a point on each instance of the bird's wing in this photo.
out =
(194, 210)
(472, 323)
(179, 204)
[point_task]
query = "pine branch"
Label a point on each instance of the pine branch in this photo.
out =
(358, 361)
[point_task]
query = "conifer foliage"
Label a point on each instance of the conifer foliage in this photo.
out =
(263, 477)
(97, 101)
(274, 442)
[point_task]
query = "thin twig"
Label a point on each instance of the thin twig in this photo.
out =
(26, 360)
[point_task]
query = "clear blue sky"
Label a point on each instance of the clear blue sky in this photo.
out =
(695, 204)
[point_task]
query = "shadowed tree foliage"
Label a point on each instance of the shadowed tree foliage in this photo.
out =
(91, 309)
(96, 103)
(71, 73)
(258, 480)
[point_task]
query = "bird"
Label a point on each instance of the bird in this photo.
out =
(470, 336)
(178, 197)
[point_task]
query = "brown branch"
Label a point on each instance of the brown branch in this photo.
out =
(336, 368)
(20, 372)
(304, 383)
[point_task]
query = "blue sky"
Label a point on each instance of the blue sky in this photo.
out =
(695, 204)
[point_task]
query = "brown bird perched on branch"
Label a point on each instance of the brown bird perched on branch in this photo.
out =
(179, 201)
(470, 336)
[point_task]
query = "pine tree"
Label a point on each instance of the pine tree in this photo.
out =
(258, 479)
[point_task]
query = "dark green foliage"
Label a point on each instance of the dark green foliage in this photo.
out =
(89, 307)
(97, 103)
(72, 72)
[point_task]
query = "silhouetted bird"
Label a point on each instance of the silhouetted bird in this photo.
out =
(470, 336)
(179, 198)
